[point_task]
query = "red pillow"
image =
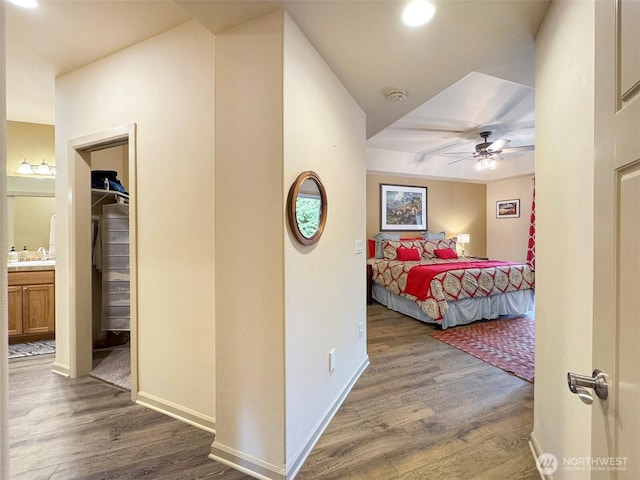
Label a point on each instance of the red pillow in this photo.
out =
(372, 248)
(445, 253)
(408, 254)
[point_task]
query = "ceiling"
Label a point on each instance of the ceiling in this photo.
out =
(365, 44)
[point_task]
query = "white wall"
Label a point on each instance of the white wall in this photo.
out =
(164, 85)
(279, 111)
(564, 227)
(508, 238)
(325, 296)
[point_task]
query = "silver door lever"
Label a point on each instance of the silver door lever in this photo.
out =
(578, 384)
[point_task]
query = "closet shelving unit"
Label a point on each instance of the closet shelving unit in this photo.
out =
(98, 195)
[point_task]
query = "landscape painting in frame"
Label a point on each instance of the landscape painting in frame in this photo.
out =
(508, 208)
(403, 208)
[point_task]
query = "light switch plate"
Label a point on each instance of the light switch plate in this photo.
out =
(359, 247)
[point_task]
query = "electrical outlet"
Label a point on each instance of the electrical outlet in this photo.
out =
(360, 329)
(332, 360)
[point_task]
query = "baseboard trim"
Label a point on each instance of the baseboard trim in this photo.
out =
(246, 463)
(178, 412)
(61, 369)
(303, 452)
(264, 471)
(536, 452)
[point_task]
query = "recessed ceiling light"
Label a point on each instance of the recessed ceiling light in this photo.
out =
(418, 13)
(25, 3)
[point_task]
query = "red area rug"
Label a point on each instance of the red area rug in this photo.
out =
(507, 343)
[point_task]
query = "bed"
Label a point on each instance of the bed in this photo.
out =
(426, 280)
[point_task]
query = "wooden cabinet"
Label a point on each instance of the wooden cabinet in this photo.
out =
(31, 305)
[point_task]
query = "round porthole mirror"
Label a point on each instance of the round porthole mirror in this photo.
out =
(307, 208)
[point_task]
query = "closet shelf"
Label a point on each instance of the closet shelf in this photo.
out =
(101, 194)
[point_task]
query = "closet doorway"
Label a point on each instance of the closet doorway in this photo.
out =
(102, 320)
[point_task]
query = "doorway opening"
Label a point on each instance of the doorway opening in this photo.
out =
(102, 254)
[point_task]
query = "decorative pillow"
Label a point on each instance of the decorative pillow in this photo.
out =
(372, 248)
(390, 248)
(445, 253)
(379, 240)
(431, 245)
(433, 235)
(408, 254)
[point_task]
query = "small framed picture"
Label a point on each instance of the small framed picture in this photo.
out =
(403, 207)
(508, 208)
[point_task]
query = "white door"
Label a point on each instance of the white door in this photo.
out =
(616, 327)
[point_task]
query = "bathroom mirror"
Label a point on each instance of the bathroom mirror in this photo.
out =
(307, 208)
(30, 205)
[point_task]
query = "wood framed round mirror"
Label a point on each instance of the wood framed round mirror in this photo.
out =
(307, 208)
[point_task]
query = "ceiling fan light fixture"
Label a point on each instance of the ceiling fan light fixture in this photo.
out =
(418, 13)
(486, 162)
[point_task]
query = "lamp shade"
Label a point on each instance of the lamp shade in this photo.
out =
(463, 238)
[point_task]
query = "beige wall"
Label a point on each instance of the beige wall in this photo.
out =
(455, 207)
(164, 85)
(275, 393)
(564, 227)
(33, 141)
(249, 263)
(325, 295)
(508, 238)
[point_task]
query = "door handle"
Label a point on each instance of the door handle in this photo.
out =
(578, 384)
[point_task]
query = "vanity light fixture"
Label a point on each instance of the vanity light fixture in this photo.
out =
(25, 3)
(25, 168)
(418, 13)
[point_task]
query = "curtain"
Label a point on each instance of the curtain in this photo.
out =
(531, 248)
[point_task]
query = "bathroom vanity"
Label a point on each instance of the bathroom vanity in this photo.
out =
(31, 301)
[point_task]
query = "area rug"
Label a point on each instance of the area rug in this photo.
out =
(27, 349)
(507, 343)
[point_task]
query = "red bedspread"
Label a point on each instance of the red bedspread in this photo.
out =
(420, 276)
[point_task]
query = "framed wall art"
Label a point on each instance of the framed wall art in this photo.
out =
(508, 208)
(403, 207)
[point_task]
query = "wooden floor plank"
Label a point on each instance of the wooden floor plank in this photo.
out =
(422, 410)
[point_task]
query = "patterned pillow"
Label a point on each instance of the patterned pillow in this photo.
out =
(390, 247)
(431, 245)
(380, 238)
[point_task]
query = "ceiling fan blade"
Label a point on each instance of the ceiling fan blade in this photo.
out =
(498, 144)
(523, 148)
(460, 160)
(457, 153)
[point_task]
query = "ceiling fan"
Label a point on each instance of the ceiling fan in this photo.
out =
(487, 153)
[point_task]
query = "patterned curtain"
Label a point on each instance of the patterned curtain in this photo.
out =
(531, 249)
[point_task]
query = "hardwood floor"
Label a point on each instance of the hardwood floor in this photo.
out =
(422, 410)
(425, 410)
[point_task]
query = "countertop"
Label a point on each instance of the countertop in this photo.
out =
(36, 265)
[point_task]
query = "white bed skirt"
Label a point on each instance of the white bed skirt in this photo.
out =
(463, 311)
